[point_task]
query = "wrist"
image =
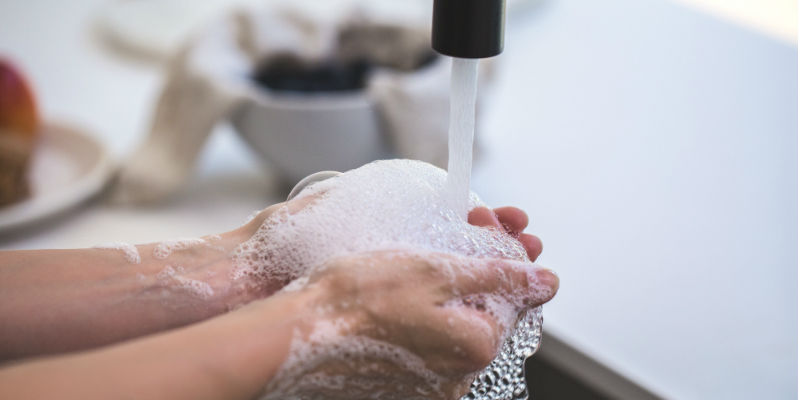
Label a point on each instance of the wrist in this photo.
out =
(193, 276)
(233, 288)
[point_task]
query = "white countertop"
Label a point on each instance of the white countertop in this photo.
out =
(654, 147)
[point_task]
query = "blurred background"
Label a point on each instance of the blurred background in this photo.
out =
(652, 142)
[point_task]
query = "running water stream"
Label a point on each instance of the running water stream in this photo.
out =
(504, 378)
(463, 94)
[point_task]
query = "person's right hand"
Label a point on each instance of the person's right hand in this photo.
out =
(407, 324)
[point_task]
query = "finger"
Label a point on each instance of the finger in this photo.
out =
(484, 217)
(513, 219)
(476, 336)
(543, 287)
(523, 284)
(476, 327)
(532, 244)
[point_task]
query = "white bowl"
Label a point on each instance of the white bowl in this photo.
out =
(302, 133)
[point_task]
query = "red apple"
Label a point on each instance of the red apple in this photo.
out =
(18, 113)
(19, 125)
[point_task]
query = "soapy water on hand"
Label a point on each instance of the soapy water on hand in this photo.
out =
(385, 205)
(129, 251)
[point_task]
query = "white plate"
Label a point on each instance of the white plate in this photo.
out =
(68, 167)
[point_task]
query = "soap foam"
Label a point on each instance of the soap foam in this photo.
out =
(171, 277)
(165, 248)
(358, 353)
(129, 251)
(385, 205)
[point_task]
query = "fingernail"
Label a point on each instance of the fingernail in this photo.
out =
(547, 277)
(539, 277)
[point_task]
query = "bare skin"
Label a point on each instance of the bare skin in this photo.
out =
(56, 301)
(236, 354)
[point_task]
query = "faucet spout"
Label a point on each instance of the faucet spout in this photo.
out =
(468, 28)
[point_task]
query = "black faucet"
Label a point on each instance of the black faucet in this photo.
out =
(468, 28)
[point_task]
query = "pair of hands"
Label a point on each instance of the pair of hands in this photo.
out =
(389, 324)
(428, 308)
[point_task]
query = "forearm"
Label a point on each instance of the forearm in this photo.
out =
(229, 357)
(64, 300)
